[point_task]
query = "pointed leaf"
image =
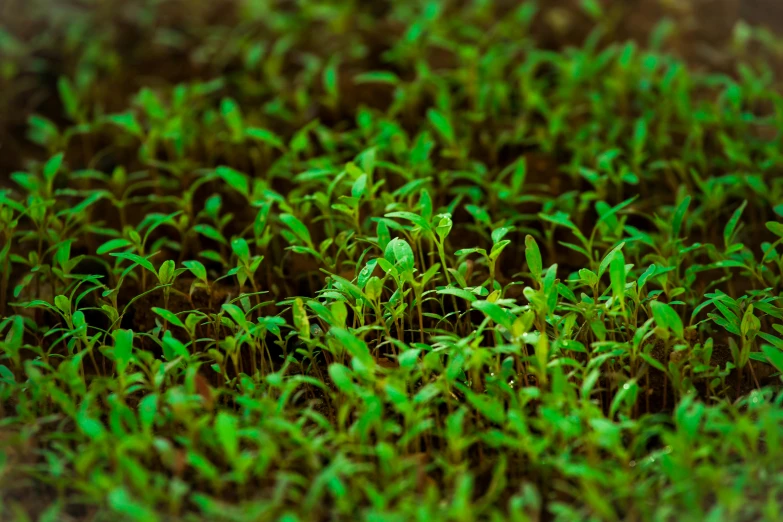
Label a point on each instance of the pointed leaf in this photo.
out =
(666, 317)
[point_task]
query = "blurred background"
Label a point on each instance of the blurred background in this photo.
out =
(108, 49)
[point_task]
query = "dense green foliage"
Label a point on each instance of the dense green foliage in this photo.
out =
(415, 260)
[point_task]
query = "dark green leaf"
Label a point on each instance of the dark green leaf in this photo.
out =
(666, 317)
(297, 227)
(533, 256)
(728, 231)
(168, 316)
(442, 125)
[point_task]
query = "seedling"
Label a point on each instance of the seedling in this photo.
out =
(419, 260)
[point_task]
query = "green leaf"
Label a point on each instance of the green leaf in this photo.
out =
(442, 125)
(173, 348)
(359, 188)
(42, 130)
(594, 9)
(750, 323)
(429, 274)
(197, 269)
(83, 205)
(519, 175)
(728, 231)
(157, 220)
(68, 97)
(232, 115)
(297, 227)
(548, 287)
(123, 348)
(330, 77)
(6, 375)
(608, 259)
(168, 316)
(575, 248)
(203, 466)
(322, 312)
(79, 320)
(444, 227)
(467, 251)
(148, 411)
(666, 317)
(499, 233)
(342, 377)
(265, 136)
(679, 215)
(646, 276)
(775, 227)
(38, 303)
(240, 247)
(533, 256)
(774, 355)
(236, 314)
(588, 276)
(167, 272)
(123, 504)
(400, 253)
(559, 218)
(497, 248)
(626, 395)
(63, 253)
(384, 236)
(366, 272)
(301, 322)
(53, 513)
(136, 259)
(652, 362)
(487, 406)
(353, 345)
(479, 214)
(226, 429)
(617, 276)
(235, 179)
(63, 303)
(92, 428)
(339, 312)
(377, 77)
(52, 167)
(210, 232)
(542, 353)
(126, 121)
(373, 288)
(566, 292)
(347, 286)
(614, 210)
(113, 244)
(425, 203)
(496, 313)
(410, 216)
(459, 292)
